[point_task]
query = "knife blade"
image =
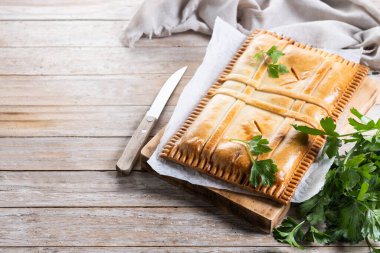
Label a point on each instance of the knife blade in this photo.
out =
(141, 134)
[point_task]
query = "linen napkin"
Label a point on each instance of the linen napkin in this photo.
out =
(333, 24)
(224, 43)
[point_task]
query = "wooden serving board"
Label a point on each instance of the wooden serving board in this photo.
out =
(264, 213)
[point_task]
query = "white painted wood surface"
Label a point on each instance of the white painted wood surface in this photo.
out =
(70, 97)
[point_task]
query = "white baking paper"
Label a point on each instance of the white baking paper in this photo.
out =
(225, 41)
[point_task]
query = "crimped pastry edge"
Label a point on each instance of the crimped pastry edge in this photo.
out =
(242, 179)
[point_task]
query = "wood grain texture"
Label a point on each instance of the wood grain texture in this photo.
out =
(68, 9)
(265, 213)
(91, 189)
(92, 154)
(104, 121)
(261, 212)
(97, 61)
(131, 152)
(73, 10)
(87, 33)
(61, 153)
(64, 72)
(85, 90)
(249, 249)
(126, 227)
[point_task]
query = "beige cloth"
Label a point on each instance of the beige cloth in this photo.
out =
(331, 24)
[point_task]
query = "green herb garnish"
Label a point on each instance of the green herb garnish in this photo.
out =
(333, 141)
(262, 171)
(274, 69)
(348, 206)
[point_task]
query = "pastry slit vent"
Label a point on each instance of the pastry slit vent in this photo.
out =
(268, 107)
(279, 91)
(282, 192)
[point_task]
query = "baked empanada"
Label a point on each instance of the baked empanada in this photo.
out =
(245, 101)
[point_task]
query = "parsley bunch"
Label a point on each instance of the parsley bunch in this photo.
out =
(262, 171)
(348, 206)
(274, 69)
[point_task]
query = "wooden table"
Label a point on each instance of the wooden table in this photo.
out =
(70, 93)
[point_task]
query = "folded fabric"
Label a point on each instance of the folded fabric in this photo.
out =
(332, 24)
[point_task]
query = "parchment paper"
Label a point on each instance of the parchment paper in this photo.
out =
(225, 41)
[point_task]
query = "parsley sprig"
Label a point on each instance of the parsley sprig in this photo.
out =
(348, 206)
(333, 140)
(271, 58)
(262, 171)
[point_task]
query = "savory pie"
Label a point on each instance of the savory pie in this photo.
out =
(245, 102)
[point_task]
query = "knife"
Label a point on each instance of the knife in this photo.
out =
(141, 134)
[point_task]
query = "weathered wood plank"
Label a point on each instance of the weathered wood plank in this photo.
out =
(74, 120)
(78, 121)
(201, 226)
(60, 153)
(91, 189)
(134, 227)
(68, 9)
(85, 90)
(98, 61)
(253, 249)
(95, 226)
(83, 33)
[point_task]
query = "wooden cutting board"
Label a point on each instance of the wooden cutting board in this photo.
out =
(263, 213)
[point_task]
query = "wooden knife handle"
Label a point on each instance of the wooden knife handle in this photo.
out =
(132, 151)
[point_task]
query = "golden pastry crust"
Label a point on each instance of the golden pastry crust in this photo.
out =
(245, 102)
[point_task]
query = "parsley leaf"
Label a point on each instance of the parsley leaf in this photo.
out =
(360, 116)
(271, 50)
(257, 145)
(262, 171)
(273, 54)
(347, 208)
(273, 70)
(332, 146)
(314, 235)
(282, 69)
(365, 124)
(290, 232)
(350, 179)
(371, 227)
(308, 130)
(350, 220)
(329, 126)
(259, 56)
